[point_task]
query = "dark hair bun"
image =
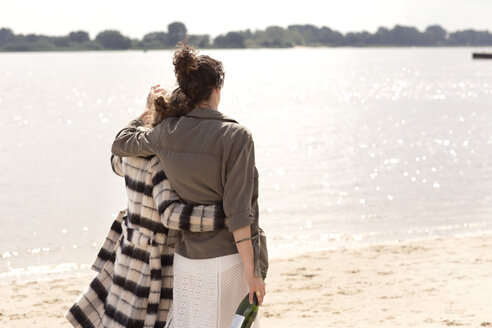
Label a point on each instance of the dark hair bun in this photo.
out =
(197, 75)
(185, 59)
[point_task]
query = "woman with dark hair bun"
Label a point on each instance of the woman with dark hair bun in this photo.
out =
(208, 158)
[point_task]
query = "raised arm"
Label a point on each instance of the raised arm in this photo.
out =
(132, 141)
(186, 217)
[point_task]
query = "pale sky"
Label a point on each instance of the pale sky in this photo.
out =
(136, 18)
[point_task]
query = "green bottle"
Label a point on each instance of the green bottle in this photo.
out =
(246, 313)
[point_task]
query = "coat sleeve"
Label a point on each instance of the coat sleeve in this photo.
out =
(194, 218)
(239, 184)
(117, 165)
(185, 217)
(132, 141)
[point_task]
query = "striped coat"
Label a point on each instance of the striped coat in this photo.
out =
(133, 287)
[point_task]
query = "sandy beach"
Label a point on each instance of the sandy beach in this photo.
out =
(427, 283)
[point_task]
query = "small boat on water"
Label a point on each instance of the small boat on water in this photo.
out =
(482, 55)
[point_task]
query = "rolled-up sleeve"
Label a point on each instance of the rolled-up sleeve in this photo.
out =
(132, 141)
(239, 186)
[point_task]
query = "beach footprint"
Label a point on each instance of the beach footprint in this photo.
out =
(453, 323)
(53, 301)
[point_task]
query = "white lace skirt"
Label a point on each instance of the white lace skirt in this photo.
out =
(206, 293)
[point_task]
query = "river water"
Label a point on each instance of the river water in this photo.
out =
(353, 146)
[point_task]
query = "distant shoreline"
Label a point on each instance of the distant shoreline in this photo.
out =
(235, 49)
(306, 35)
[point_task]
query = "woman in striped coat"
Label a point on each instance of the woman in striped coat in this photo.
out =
(133, 287)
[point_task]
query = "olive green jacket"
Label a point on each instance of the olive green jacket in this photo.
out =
(208, 158)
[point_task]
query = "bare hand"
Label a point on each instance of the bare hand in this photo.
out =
(256, 285)
(153, 93)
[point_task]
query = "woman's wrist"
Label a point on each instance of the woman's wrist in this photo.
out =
(249, 269)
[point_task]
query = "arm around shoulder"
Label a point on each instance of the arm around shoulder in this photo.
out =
(132, 141)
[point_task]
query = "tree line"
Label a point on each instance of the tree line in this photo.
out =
(271, 37)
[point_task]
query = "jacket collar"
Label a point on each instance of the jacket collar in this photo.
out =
(207, 113)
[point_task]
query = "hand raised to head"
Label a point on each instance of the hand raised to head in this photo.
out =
(154, 92)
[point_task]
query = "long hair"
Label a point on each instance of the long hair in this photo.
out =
(175, 104)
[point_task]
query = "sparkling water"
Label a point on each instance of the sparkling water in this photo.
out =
(353, 146)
